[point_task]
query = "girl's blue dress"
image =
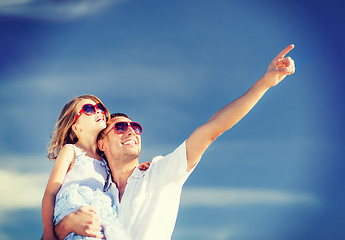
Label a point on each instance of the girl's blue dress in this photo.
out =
(83, 185)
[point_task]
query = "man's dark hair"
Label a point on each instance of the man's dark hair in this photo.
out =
(114, 115)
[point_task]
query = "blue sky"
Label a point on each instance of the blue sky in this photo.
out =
(278, 174)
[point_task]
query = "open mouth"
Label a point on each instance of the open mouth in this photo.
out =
(129, 142)
(100, 118)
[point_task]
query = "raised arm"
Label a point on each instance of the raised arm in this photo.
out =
(228, 116)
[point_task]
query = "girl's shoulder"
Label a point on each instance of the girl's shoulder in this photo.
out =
(72, 148)
(68, 148)
(66, 154)
(78, 152)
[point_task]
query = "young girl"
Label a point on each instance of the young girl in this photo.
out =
(79, 173)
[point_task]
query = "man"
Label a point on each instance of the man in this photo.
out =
(148, 201)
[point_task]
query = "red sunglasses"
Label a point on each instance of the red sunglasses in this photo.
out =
(122, 127)
(90, 109)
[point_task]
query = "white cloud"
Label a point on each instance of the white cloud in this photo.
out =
(225, 197)
(21, 190)
(58, 10)
(3, 236)
(34, 163)
(25, 190)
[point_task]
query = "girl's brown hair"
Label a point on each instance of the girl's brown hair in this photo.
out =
(63, 133)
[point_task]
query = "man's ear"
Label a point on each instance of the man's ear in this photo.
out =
(100, 144)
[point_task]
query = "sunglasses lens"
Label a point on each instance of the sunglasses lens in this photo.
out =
(137, 127)
(121, 127)
(89, 109)
(101, 107)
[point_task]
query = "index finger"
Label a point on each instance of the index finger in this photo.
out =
(284, 52)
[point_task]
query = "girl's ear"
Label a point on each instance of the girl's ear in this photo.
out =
(76, 128)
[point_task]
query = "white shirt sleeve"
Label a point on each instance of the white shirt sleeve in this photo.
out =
(169, 169)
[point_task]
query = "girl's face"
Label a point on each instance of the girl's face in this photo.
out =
(95, 122)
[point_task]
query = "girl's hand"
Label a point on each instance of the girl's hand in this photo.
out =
(144, 166)
(279, 68)
(83, 221)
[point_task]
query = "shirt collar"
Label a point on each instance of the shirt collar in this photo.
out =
(108, 179)
(137, 173)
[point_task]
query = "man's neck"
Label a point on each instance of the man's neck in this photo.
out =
(121, 172)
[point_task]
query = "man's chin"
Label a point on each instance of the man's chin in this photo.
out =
(132, 155)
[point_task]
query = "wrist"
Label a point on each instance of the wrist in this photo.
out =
(62, 228)
(48, 235)
(264, 83)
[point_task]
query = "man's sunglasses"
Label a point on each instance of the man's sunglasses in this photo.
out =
(122, 127)
(90, 109)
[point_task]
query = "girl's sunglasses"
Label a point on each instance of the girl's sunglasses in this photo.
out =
(90, 109)
(122, 127)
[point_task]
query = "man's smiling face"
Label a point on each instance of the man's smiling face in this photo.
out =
(122, 146)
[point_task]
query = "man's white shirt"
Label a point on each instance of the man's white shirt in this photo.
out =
(149, 205)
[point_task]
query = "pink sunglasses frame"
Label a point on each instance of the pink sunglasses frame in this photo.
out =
(128, 126)
(83, 111)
